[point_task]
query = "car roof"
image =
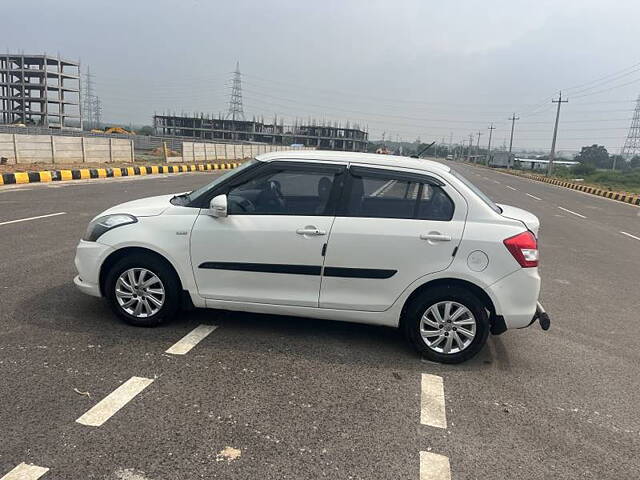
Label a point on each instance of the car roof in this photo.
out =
(355, 157)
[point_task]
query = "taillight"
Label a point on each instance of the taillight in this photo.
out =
(524, 248)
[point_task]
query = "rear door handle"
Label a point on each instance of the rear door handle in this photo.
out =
(435, 237)
(311, 231)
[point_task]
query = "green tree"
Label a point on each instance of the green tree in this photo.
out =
(595, 156)
(146, 130)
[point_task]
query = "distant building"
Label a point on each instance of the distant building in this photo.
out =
(537, 164)
(39, 90)
(325, 136)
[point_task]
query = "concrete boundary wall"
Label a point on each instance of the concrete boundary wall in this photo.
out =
(220, 152)
(17, 148)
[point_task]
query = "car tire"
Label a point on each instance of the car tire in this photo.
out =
(424, 328)
(155, 308)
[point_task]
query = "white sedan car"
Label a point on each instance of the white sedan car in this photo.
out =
(345, 236)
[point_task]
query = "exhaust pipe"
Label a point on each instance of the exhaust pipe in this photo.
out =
(543, 317)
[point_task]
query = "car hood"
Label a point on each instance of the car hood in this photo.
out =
(144, 207)
(529, 219)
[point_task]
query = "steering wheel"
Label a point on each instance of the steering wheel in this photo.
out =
(243, 204)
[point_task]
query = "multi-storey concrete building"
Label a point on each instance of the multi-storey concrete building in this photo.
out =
(326, 137)
(40, 90)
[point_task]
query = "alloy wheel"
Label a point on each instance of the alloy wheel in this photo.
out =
(447, 327)
(140, 292)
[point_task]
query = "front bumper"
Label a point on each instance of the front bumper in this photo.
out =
(89, 259)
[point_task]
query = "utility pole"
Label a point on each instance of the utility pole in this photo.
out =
(478, 145)
(470, 146)
(552, 155)
(491, 129)
(513, 124)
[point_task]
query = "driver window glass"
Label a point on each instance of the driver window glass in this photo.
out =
(283, 192)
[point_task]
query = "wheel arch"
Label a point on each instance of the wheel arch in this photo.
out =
(115, 256)
(451, 282)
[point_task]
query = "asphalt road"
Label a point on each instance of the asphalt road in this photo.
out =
(303, 399)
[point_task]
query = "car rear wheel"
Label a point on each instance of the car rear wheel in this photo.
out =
(447, 324)
(142, 290)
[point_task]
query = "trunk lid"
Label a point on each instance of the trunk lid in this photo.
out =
(528, 218)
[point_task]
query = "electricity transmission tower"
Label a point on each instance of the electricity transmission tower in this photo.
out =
(235, 102)
(87, 106)
(632, 143)
(91, 106)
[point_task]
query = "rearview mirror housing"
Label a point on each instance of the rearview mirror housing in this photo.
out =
(218, 206)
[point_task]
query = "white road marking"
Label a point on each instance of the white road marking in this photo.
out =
(432, 410)
(109, 405)
(25, 472)
(533, 196)
(508, 186)
(191, 339)
(629, 235)
(572, 212)
(495, 181)
(32, 218)
(434, 467)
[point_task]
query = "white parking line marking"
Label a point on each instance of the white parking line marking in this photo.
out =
(109, 405)
(533, 196)
(32, 218)
(571, 212)
(25, 472)
(629, 235)
(191, 339)
(432, 410)
(434, 467)
(508, 186)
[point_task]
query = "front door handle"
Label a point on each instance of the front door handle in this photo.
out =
(435, 237)
(311, 231)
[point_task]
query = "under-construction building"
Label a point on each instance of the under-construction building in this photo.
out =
(321, 136)
(40, 90)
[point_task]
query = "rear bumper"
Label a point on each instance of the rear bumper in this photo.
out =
(515, 298)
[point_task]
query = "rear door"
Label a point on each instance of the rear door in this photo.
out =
(391, 228)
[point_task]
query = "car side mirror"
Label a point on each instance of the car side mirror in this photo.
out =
(218, 206)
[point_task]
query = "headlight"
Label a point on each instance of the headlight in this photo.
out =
(103, 224)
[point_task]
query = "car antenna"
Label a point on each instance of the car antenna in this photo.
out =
(423, 150)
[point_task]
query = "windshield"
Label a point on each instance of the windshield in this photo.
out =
(477, 191)
(192, 196)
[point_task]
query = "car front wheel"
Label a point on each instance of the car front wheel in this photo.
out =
(447, 325)
(142, 290)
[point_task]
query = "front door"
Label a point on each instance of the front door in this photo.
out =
(395, 228)
(269, 248)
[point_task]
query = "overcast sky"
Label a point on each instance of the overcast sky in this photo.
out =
(410, 68)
